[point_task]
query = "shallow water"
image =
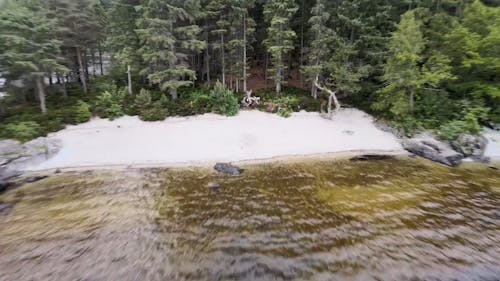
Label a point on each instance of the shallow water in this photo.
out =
(323, 220)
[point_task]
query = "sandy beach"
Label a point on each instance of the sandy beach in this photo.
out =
(210, 138)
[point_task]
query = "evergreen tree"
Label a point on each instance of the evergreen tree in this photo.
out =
(319, 50)
(168, 36)
(78, 28)
(27, 43)
(122, 40)
(407, 70)
(280, 36)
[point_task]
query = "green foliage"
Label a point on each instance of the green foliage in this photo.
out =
(155, 112)
(280, 37)
(167, 32)
(472, 116)
(82, 112)
(109, 104)
(143, 100)
(224, 101)
(284, 112)
(148, 109)
(22, 131)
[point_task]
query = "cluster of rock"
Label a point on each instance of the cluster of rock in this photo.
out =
(14, 155)
(466, 146)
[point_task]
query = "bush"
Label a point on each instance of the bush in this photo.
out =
(22, 131)
(284, 112)
(149, 110)
(142, 100)
(82, 112)
(470, 122)
(224, 101)
(154, 113)
(109, 104)
(408, 125)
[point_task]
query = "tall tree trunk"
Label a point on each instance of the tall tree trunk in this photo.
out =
(244, 53)
(80, 69)
(314, 89)
(41, 94)
(223, 60)
(208, 65)
(86, 65)
(100, 59)
(278, 76)
(266, 71)
(301, 48)
(93, 62)
(278, 82)
(60, 80)
(173, 94)
(412, 99)
(129, 79)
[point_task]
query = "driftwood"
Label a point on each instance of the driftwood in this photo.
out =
(249, 101)
(331, 99)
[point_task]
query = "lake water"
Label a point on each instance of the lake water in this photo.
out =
(321, 220)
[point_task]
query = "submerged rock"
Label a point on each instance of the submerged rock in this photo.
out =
(427, 146)
(371, 157)
(227, 168)
(4, 185)
(470, 145)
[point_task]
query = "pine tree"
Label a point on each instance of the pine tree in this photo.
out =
(27, 43)
(217, 11)
(280, 35)
(122, 40)
(77, 28)
(168, 36)
(319, 50)
(408, 70)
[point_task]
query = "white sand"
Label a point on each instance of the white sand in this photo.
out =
(212, 138)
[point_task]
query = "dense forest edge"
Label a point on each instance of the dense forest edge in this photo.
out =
(420, 65)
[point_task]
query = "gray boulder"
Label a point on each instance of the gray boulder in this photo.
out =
(427, 146)
(227, 168)
(9, 150)
(42, 146)
(470, 145)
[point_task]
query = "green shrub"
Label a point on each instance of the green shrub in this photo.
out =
(408, 125)
(469, 123)
(109, 104)
(143, 100)
(201, 101)
(82, 112)
(156, 112)
(224, 101)
(284, 112)
(149, 110)
(451, 130)
(22, 131)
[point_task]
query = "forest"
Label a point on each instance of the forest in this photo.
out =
(419, 64)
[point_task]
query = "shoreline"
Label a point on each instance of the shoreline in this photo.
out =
(331, 156)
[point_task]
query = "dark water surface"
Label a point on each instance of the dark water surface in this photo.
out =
(330, 220)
